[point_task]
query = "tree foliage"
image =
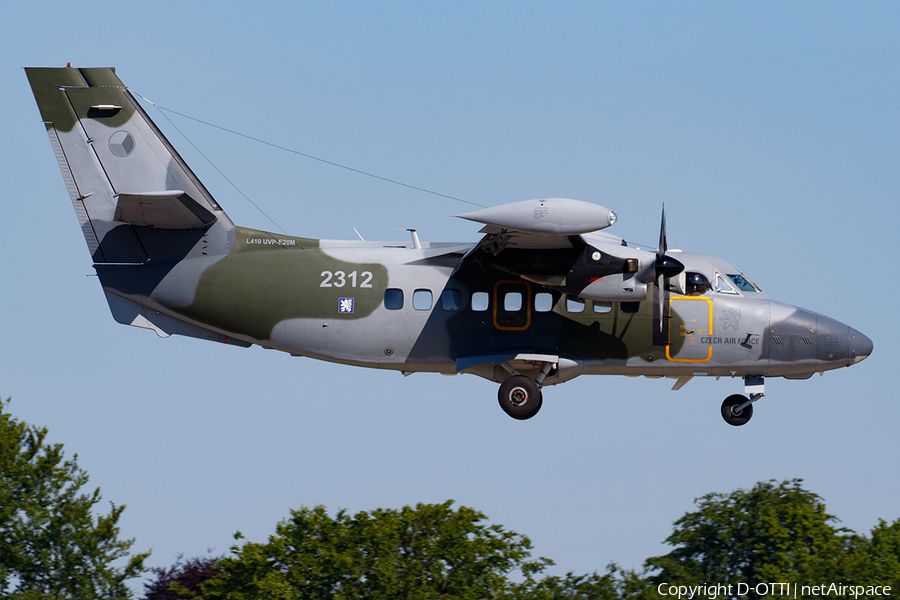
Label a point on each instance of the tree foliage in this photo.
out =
(430, 551)
(181, 580)
(874, 559)
(615, 584)
(51, 544)
(773, 532)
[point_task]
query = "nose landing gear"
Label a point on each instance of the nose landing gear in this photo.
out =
(735, 409)
(738, 409)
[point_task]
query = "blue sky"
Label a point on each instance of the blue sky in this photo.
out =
(770, 131)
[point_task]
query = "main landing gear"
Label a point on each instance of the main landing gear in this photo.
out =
(737, 409)
(520, 397)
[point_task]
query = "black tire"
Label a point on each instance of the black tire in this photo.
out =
(728, 414)
(520, 397)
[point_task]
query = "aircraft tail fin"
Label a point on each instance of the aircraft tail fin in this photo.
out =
(125, 179)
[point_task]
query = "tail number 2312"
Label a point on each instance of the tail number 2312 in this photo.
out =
(340, 279)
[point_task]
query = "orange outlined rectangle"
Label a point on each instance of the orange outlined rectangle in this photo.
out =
(709, 349)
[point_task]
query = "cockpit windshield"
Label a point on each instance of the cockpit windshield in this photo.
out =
(742, 283)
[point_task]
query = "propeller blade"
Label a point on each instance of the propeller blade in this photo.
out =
(661, 295)
(665, 268)
(661, 253)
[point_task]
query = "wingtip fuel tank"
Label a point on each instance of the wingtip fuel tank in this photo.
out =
(548, 216)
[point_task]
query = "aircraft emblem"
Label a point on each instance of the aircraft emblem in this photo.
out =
(731, 318)
(121, 143)
(345, 306)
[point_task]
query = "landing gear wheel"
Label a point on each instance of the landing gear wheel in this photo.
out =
(520, 397)
(730, 416)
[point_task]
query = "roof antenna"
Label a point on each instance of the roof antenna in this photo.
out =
(415, 238)
(357, 233)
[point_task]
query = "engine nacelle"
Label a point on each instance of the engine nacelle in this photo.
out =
(618, 287)
(601, 272)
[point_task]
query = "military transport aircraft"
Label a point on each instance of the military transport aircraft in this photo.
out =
(543, 297)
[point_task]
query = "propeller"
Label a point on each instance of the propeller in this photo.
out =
(665, 268)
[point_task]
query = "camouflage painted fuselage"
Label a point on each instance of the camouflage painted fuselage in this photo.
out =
(326, 299)
(171, 260)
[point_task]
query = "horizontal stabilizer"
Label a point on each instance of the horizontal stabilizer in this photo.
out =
(171, 209)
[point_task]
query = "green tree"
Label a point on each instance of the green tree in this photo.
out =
(775, 532)
(181, 580)
(430, 551)
(874, 560)
(615, 584)
(51, 544)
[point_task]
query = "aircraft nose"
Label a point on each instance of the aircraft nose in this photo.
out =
(838, 343)
(860, 346)
(804, 338)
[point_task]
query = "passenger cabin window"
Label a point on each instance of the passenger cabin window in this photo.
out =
(480, 301)
(451, 299)
(511, 310)
(422, 299)
(602, 307)
(574, 305)
(512, 301)
(393, 299)
(543, 302)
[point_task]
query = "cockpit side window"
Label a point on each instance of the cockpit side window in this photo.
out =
(696, 283)
(722, 286)
(742, 283)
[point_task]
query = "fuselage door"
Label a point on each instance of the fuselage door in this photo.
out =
(690, 329)
(512, 305)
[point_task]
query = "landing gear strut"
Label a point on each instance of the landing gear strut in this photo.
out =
(737, 409)
(520, 397)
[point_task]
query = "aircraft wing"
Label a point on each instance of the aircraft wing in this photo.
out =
(496, 240)
(555, 243)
